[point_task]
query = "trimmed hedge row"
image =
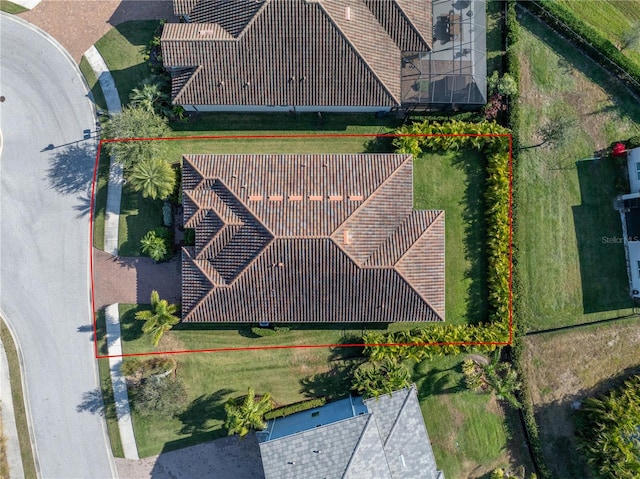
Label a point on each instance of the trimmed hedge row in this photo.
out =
(296, 407)
(391, 343)
(493, 140)
(593, 43)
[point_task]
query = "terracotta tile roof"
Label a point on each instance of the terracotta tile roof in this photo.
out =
(293, 52)
(279, 238)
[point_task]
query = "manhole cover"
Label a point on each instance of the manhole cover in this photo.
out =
(2, 98)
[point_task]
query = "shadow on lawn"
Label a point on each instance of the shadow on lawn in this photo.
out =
(598, 233)
(333, 384)
(475, 237)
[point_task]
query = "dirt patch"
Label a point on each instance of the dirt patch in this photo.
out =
(565, 368)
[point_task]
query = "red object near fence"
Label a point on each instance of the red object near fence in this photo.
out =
(619, 149)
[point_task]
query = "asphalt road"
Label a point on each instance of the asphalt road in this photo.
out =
(45, 175)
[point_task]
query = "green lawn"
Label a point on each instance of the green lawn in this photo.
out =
(138, 215)
(107, 389)
(293, 374)
(122, 49)
(612, 18)
(94, 85)
(564, 201)
(455, 183)
(10, 7)
(100, 200)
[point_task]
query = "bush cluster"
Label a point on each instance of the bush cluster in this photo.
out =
(593, 43)
(296, 407)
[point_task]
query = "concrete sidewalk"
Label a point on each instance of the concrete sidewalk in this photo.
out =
(120, 395)
(8, 419)
(116, 180)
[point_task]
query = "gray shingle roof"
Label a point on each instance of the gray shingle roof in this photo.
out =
(293, 52)
(309, 238)
(389, 442)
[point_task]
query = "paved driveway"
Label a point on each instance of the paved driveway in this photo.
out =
(45, 173)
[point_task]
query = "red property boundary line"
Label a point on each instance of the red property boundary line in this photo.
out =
(298, 136)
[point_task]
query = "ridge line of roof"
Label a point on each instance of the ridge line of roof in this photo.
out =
(355, 449)
(411, 287)
(416, 29)
(253, 19)
(359, 55)
(397, 419)
(426, 230)
(195, 72)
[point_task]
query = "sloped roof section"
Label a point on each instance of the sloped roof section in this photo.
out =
(309, 238)
(292, 52)
(388, 440)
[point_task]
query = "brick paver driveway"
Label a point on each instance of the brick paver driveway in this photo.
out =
(79, 24)
(131, 280)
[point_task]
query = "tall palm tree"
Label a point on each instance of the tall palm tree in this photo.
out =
(247, 415)
(159, 319)
(154, 177)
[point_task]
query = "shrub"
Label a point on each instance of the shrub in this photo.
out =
(160, 396)
(262, 332)
(294, 408)
(157, 244)
(633, 142)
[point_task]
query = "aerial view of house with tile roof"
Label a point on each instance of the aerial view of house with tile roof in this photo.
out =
(326, 55)
(381, 438)
(309, 238)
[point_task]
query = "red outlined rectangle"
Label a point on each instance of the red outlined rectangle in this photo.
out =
(298, 136)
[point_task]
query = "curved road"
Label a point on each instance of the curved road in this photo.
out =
(45, 175)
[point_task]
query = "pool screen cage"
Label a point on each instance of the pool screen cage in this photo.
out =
(454, 72)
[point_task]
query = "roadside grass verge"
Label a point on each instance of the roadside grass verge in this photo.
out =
(107, 388)
(100, 200)
(612, 18)
(569, 273)
(565, 368)
(94, 84)
(10, 7)
(122, 49)
(22, 425)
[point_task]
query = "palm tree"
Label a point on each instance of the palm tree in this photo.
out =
(154, 177)
(377, 379)
(155, 246)
(247, 415)
(159, 319)
(151, 98)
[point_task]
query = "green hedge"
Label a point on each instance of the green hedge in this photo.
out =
(294, 408)
(593, 43)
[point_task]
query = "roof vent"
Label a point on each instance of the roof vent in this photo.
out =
(246, 83)
(347, 13)
(347, 236)
(205, 33)
(220, 83)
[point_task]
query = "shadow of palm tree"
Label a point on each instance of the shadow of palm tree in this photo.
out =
(201, 410)
(71, 167)
(84, 204)
(333, 384)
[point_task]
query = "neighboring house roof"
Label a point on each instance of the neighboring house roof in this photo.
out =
(309, 238)
(390, 440)
(293, 52)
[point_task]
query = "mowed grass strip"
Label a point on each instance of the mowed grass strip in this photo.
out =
(566, 367)
(123, 51)
(570, 272)
(93, 83)
(612, 18)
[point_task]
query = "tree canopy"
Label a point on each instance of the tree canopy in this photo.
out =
(159, 319)
(135, 123)
(248, 414)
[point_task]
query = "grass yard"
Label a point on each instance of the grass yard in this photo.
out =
(20, 413)
(122, 49)
(569, 273)
(10, 7)
(100, 201)
(480, 443)
(138, 215)
(94, 85)
(107, 389)
(612, 18)
(570, 366)
(455, 182)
